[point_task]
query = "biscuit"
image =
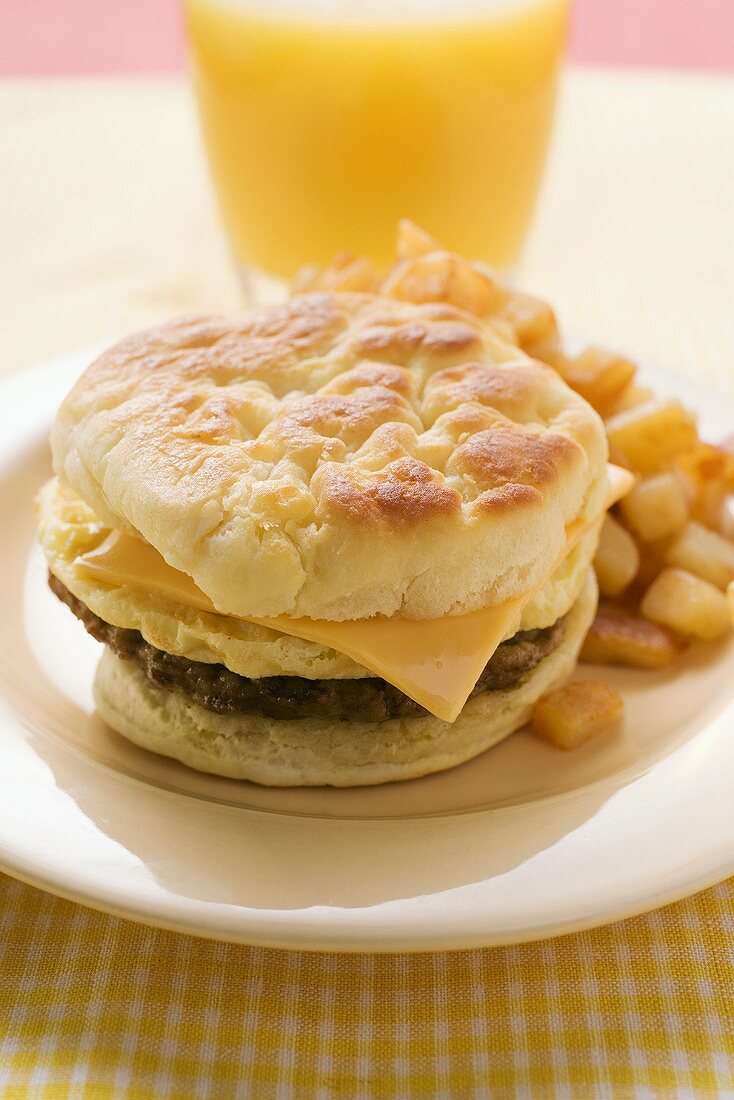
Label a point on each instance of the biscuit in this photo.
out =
(336, 457)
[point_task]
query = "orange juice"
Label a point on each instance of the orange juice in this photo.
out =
(326, 121)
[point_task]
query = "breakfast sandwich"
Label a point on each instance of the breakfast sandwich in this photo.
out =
(345, 540)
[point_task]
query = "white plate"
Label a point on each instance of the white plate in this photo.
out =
(521, 843)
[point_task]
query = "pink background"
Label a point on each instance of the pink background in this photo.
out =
(111, 36)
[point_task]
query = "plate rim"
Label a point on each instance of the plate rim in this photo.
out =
(361, 944)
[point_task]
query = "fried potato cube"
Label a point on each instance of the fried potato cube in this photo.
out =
(532, 319)
(617, 558)
(630, 397)
(687, 604)
(599, 376)
(345, 273)
(706, 499)
(571, 715)
(618, 637)
(413, 241)
(703, 552)
(710, 503)
(726, 516)
(704, 462)
(652, 434)
(443, 277)
(618, 457)
(655, 507)
(548, 348)
(652, 560)
(708, 473)
(730, 598)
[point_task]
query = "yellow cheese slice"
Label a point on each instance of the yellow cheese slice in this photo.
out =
(436, 662)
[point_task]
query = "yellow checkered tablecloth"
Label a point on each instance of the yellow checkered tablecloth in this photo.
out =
(106, 224)
(95, 1006)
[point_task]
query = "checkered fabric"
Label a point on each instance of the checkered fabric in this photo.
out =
(106, 224)
(96, 1006)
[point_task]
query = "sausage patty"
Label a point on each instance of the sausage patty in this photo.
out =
(370, 699)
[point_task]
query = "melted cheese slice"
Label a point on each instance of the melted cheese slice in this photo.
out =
(436, 662)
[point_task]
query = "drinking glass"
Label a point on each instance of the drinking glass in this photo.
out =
(326, 121)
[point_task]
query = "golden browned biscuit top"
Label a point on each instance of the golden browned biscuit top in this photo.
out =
(339, 456)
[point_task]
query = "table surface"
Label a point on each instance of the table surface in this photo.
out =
(107, 224)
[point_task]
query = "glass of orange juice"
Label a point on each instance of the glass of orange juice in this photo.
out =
(325, 121)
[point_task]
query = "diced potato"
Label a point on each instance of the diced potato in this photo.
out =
(655, 507)
(726, 516)
(345, 273)
(689, 486)
(708, 473)
(704, 462)
(704, 553)
(652, 560)
(572, 714)
(413, 241)
(617, 558)
(443, 277)
(687, 604)
(599, 376)
(617, 637)
(709, 505)
(532, 318)
(630, 397)
(618, 457)
(652, 434)
(730, 599)
(548, 348)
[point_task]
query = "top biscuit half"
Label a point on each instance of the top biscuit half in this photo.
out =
(337, 457)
